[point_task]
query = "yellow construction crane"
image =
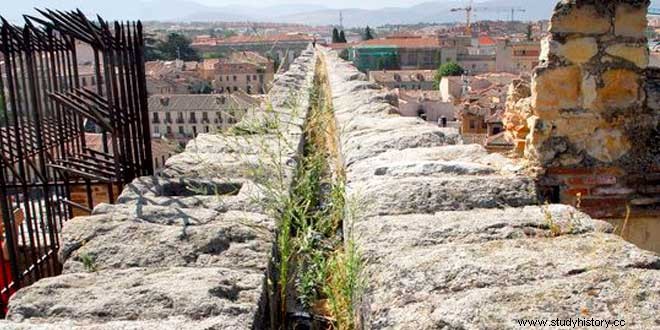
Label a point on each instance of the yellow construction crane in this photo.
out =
(469, 9)
(468, 14)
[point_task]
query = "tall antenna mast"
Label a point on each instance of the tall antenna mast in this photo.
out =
(341, 20)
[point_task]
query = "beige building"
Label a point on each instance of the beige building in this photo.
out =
(428, 106)
(404, 79)
(171, 77)
(184, 116)
(240, 71)
(517, 57)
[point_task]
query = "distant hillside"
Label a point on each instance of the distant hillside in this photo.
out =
(430, 12)
(188, 10)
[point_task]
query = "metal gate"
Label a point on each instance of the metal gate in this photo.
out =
(68, 140)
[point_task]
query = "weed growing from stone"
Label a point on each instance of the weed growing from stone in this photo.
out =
(88, 262)
(303, 188)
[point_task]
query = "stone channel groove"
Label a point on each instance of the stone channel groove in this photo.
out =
(189, 249)
(455, 238)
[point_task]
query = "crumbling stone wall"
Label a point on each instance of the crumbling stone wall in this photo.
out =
(188, 250)
(593, 121)
(453, 237)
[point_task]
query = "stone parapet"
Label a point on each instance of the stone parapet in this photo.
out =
(593, 105)
(453, 237)
(190, 249)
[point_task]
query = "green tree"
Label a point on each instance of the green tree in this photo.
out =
(529, 32)
(178, 46)
(201, 87)
(368, 35)
(342, 37)
(151, 50)
(229, 33)
(335, 36)
(449, 69)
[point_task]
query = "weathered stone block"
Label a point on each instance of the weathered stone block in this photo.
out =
(389, 196)
(235, 240)
(637, 54)
(630, 21)
(607, 144)
(540, 130)
(577, 127)
(579, 50)
(589, 90)
(554, 89)
(583, 19)
(620, 89)
(229, 298)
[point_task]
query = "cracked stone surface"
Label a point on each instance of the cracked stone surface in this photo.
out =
(143, 294)
(235, 240)
(428, 194)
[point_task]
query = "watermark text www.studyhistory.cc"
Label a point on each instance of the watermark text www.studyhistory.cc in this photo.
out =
(571, 323)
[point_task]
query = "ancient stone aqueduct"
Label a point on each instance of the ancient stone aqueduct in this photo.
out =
(453, 237)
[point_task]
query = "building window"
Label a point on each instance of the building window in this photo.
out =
(193, 118)
(248, 77)
(205, 116)
(194, 130)
(168, 129)
(254, 77)
(156, 130)
(168, 118)
(155, 118)
(206, 129)
(228, 89)
(235, 88)
(181, 131)
(234, 78)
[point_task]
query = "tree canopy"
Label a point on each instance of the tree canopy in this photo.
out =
(448, 69)
(176, 46)
(368, 34)
(342, 37)
(335, 35)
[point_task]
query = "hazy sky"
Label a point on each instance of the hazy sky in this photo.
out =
(332, 4)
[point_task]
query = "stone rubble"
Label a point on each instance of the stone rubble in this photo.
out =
(454, 238)
(187, 250)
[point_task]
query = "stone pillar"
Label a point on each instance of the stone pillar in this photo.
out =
(592, 126)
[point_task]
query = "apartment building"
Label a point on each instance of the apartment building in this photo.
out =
(171, 77)
(404, 79)
(239, 71)
(406, 52)
(184, 116)
(283, 48)
(517, 56)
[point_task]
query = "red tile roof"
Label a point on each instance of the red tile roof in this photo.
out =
(486, 41)
(255, 39)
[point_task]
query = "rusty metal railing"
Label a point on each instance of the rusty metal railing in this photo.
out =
(68, 140)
